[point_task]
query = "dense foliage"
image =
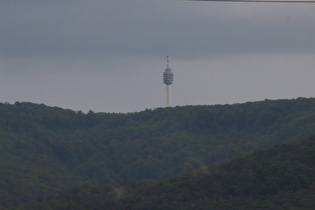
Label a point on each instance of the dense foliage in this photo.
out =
(279, 178)
(46, 149)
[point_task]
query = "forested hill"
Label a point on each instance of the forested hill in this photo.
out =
(279, 178)
(46, 149)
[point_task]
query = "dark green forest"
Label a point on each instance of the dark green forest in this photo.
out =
(44, 150)
(279, 178)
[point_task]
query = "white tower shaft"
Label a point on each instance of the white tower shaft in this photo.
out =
(168, 96)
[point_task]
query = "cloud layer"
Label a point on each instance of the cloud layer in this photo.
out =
(109, 55)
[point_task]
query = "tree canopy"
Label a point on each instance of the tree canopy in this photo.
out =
(47, 149)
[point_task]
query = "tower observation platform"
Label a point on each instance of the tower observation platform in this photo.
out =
(168, 78)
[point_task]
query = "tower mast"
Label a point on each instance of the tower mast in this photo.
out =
(168, 78)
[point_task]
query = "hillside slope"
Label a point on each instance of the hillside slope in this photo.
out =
(279, 178)
(46, 149)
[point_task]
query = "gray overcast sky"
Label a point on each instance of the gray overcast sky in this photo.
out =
(109, 55)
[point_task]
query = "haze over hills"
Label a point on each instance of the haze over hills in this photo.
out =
(48, 149)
